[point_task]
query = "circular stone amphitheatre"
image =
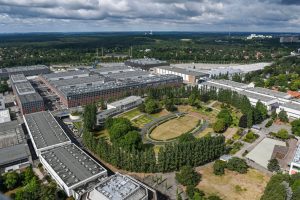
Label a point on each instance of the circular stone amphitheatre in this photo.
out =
(174, 127)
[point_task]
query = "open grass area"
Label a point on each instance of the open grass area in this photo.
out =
(232, 185)
(162, 113)
(131, 114)
(205, 132)
(141, 121)
(78, 125)
(230, 132)
(174, 128)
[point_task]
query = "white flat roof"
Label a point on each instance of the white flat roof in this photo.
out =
(262, 153)
(125, 101)
(4, 116)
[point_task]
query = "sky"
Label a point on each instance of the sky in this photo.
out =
(145, 15)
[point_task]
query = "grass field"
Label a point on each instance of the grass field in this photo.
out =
(141, 121)
(162, 113)
(78, 125)
(131, 114)
(205, 132)
(232, 185)
(229, 133)
(174, 128)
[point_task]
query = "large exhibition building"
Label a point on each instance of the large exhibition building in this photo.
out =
(82, 87)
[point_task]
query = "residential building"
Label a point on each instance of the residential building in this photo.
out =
(188, 76)
(14, 151)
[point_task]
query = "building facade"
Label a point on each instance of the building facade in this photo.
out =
(188, 76)
(76, 91)
(14, 151)
(28, 100)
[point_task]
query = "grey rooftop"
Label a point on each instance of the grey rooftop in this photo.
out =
(213, 84)
(183, 71)
(260, 97)
(95, 79)
(17, 78)
(23, 68)
(14, 153)
(67, 74)
(27, 98)
(125, 101)
(11, 133)
(294, 106)
(269, 92)
(147, 61)
(72, 164)
(112, 69)
(230, 83)
(115, 85)
(24, 88)
(128, 75)
(45, 130)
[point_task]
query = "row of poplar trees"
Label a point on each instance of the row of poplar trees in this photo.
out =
(170, 157)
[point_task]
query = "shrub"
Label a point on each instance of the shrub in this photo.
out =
(236, 147)
(273, 165)
(282, 134)
(220, 126)
(187, 176)
(238, 165)
(250, 137)
(283, 116)
(269, 123)
(219, 167)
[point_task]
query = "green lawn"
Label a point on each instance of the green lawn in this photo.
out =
(141, 121)
(78, 125)
(131, 114)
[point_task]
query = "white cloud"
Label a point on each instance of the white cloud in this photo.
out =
(144, 14)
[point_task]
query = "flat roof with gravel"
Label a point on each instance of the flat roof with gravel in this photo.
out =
(44, 129)
(294, 106)
(257, 96)
(183, 71)
(11, 133)
(125, 101)
(269, 92)
(17, 78)
(72, 164)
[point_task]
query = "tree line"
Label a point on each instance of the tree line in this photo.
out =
(170, 157)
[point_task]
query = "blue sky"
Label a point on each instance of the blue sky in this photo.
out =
(145, 15)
